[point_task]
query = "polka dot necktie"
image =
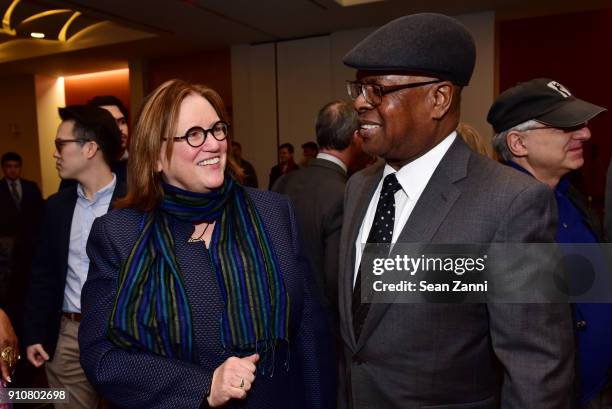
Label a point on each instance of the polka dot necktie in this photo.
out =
(380, 232)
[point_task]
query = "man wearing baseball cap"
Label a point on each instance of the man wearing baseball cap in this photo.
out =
(431, 188)
(540, 130)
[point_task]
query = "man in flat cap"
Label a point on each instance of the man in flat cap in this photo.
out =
(541, 129)
(410, 74)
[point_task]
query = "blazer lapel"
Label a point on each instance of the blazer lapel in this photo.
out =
(65, 225)
(430, 211)
(356, 213)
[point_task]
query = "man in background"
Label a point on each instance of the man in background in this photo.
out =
(87, 143)
(20, 211)
(250, 177)
(541, 129)
(119, 112)
(317, 193)
(285, 165)
(310, 150)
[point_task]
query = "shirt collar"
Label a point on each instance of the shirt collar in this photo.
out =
(414, 176)
(104, 192)
(332, 158)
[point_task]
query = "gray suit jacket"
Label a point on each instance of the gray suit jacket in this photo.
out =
(458, 356)
(317, 194)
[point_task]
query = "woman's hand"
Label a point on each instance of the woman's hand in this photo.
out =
(232, 380)
(8, 339)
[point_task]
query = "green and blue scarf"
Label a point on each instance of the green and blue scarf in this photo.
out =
(152, 310)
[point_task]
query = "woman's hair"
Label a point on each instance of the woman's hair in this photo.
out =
(475, 141)
(157, 120)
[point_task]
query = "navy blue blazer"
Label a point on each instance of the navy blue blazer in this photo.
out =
(43, 305)
(145, 380)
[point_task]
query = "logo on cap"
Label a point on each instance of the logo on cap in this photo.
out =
(559, 88)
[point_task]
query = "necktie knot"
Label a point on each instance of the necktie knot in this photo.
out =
(390, 185)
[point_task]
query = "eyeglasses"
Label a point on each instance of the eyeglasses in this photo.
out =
(196, 136)
(59, 143)
(373, 93)
(564, 130)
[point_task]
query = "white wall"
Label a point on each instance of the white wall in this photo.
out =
(310, 74)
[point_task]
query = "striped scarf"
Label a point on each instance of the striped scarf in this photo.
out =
(152, 311)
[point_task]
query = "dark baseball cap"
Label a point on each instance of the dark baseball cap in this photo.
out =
(543, 100)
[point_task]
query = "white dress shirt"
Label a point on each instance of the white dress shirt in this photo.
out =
(333, 159)
(413, 177)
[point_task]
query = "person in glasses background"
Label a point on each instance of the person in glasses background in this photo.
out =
(541, 129)
(115, 107)
(431, 188)
(87, 142)
(197, 295)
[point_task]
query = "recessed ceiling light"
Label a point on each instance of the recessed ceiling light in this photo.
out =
(348, 3)
(38, 35)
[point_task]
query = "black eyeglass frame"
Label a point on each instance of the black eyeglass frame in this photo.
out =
(60, 143)
(382, 90)
(205, 131)
(564, 129)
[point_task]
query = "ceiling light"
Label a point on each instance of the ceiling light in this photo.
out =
(37, 35)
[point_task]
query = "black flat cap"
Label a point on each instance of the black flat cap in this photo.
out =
(427, 43)
(544, 100)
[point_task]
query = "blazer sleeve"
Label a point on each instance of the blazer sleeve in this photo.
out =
(39, 307)
(128, 379)
(533, 342)
(312, 351)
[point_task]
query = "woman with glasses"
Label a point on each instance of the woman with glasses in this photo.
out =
(197, 295)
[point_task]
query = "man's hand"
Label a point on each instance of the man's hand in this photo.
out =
(37, 355)
(232, 380)
(7, 339)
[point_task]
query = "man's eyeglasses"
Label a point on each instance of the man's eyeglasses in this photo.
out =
(564, 130)
(60, 143)
(196, 136)
(373, 93)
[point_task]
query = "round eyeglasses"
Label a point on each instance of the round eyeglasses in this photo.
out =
(196, 136)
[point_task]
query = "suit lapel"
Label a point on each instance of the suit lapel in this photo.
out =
(433, 206)
(356, 212)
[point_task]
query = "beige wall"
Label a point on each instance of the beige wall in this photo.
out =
(18, 123)
(311, 73)
(254, 106)
(49, 96)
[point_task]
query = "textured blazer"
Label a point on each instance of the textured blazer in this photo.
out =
(43, 306)
(144, 380)
(458, 356)
(317, 194)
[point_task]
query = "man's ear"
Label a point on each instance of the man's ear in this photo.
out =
(515, 144)
(91, 148)
(442, 95)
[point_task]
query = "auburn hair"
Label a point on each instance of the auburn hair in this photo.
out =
(157, 120)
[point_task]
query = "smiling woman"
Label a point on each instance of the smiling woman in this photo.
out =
(198, 279)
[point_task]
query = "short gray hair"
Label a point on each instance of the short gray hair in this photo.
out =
(500, 142)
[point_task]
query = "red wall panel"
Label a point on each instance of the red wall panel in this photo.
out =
(81, 88)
